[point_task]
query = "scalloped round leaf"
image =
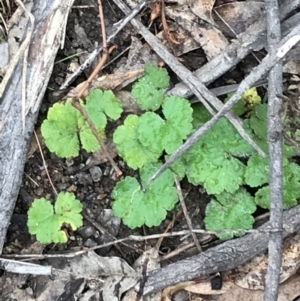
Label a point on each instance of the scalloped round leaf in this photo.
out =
(128, 203)
(179, 116)
(99, 102)
(49, 232)
(129, 147)
(224, 136)
(146, 95)
(43, 223)
(215, 171)
(158, 76)
(68, 209)
(230, 211)
(46, 224)
(136, 207)
(40, 210)
(60, 130)
(262, 198)
(291, 188)
(291, 171)
(261, 142)
(257, 171)
(88, 139)
(149, 131)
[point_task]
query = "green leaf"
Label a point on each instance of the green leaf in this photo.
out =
(257, 171)
(230, 211)
(68, 209)
(46, 224)
(258, 121)
(210, 161)
(150, 129)
(146, 95)
(150, 207)
(214, 170)
(239, 108)
(179, 166)
(291, 188)
(129, 146)
(99, 103)
(200, 115)
(88, 140)
(179, 116)
(225, 137)
(149, 90)
(60, 130)
(65, 125)
(157, 76)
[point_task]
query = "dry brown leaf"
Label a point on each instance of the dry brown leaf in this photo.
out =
(287, 292)
(210, 39)
(203, 9)
(108, 82)
(252, 274)
(238, 16)
(186, 42)
(156, 11)
(139, 55)
(293, 64)
(151, 259)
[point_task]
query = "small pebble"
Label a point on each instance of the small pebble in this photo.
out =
(90, 197)
(69, 162)
(96, 173)
(62, 186)
(86, 232)
(90, 243)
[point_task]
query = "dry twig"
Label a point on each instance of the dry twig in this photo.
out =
(186, 214)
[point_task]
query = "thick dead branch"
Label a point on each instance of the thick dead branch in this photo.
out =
(275, 142)
(50, 18)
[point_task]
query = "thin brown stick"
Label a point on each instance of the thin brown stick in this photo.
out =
(80, 108)
(44, 162)
(186, 214)
(169, 227)
(177, 251)
(106, 233)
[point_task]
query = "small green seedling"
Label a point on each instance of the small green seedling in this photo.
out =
(45, 221)
(138, 204)
(230, 211)
(142, 139)
(149, 90)
(65, 128)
